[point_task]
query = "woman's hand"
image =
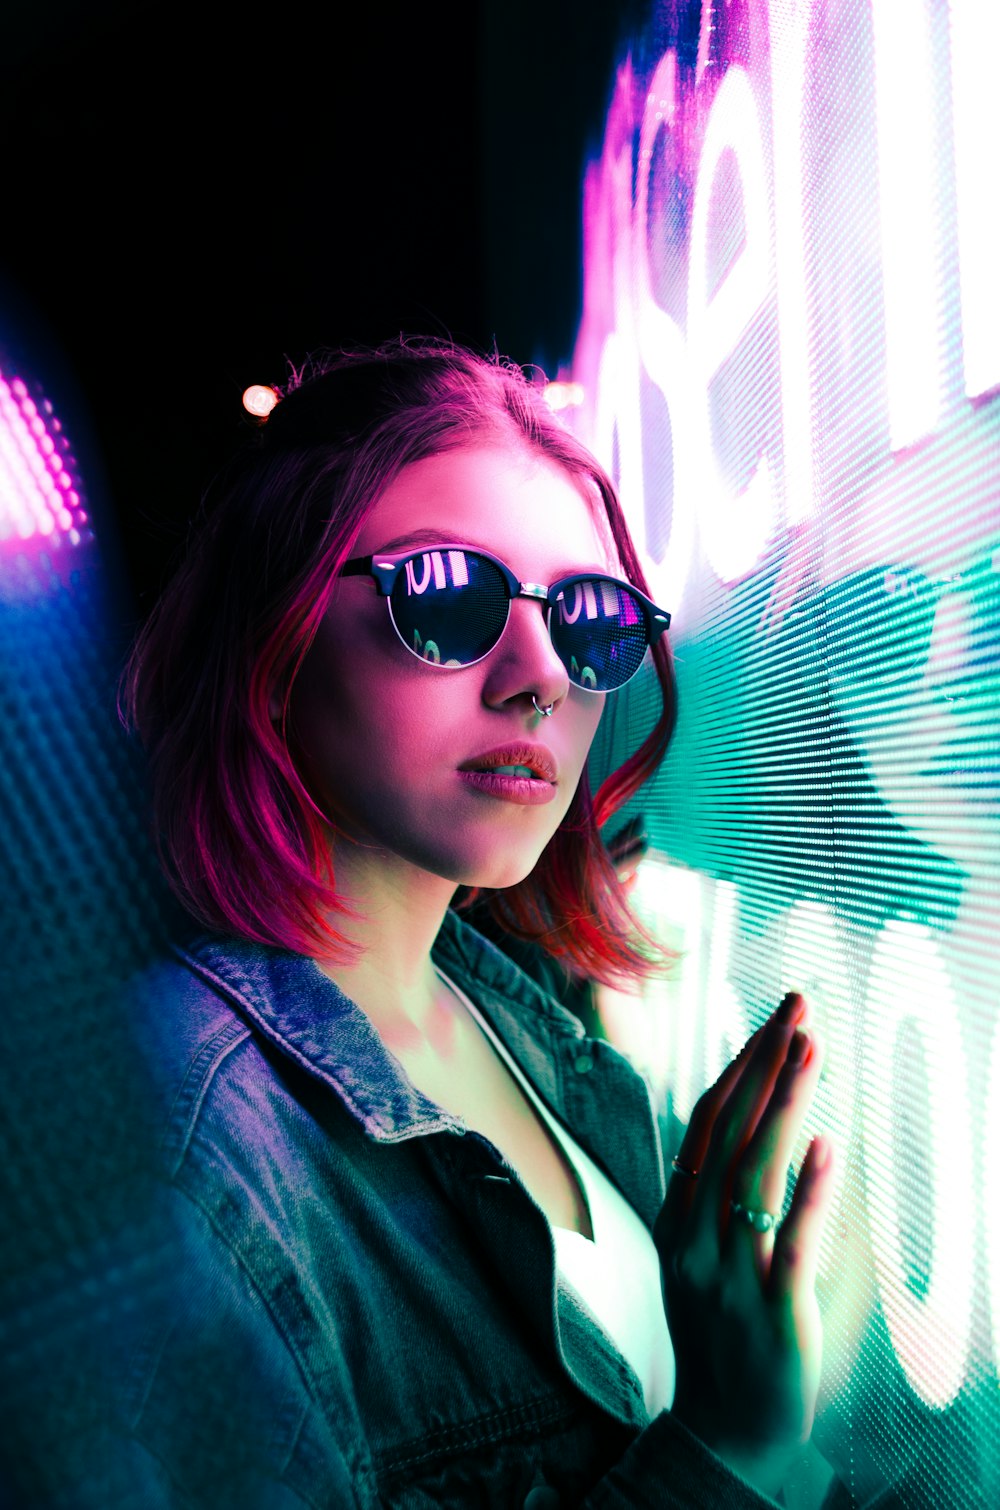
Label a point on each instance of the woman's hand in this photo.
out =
(740, 1302)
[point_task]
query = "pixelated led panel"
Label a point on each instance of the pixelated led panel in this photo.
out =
(40, 494)
(789, 354)
(78, 883)
(80, 910)
(70, 811)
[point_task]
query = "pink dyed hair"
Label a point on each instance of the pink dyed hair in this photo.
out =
(241, 840)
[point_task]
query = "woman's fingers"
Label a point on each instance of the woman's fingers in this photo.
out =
(739, 1117)
(739, 1284)
(722, 1120)
(701, 1126)
(797, 1247)
(759, 1183)
(686, 1167)
(687, 1162)
(761, 1174)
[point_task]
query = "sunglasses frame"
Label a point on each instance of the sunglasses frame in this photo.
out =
(384, 568)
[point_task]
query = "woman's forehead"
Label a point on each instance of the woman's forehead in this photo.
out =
(516, 503)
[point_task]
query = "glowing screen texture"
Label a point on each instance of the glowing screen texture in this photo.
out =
(39, 497)
(789, 356)
(79, 909)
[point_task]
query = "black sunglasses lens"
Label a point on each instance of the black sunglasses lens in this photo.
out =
(599, 630)
(449, 607)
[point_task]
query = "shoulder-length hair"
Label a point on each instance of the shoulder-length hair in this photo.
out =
(241, 840)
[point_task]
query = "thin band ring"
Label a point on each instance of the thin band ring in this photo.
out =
(545, 712)
(760, 1221)
(679, 1168)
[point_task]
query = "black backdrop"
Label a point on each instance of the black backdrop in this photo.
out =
(186, 202)
(191, 196)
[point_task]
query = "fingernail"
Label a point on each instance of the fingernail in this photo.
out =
(820, 1153)
(800, 1048)
(791, 1008)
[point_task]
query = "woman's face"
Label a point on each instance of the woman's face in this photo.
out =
(383, 737)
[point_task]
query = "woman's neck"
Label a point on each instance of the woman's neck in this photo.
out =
(400, 911)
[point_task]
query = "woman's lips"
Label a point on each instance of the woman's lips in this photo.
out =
(537, 758)
(529, 791)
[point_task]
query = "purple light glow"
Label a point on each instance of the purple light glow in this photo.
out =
(38, 499)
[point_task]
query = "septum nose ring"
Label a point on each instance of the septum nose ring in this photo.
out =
(545, 712)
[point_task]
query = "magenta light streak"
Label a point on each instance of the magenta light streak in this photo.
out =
(37, 498)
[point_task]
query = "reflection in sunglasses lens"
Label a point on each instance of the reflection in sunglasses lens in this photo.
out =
(599, 630)
(450, 608)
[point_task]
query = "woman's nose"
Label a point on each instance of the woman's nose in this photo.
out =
(525, 663)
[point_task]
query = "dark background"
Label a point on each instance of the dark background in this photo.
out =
(191, 198)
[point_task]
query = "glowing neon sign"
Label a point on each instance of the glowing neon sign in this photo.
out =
(692, 1024)
(789, 354)
(758, 134)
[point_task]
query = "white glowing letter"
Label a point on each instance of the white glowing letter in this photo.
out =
(908, 191)
(734, 529)
(929, 1323)
(789, 33)
(725, 1027)
(663, 352)
(975, 48)
(413, 586)
(459, 568)
(991, 1209)
(668, 899)
(813, 962)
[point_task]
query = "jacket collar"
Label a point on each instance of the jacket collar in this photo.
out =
(291, 1003)
(288, 999)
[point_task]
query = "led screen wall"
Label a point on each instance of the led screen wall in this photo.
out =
(789, 354)
(80, 908)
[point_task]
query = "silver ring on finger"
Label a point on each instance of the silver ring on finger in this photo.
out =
(760, 1221)
(679, 1168)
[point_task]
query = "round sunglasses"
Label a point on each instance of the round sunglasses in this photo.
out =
(449, 606)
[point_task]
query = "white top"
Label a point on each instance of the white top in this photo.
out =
(617, 1275)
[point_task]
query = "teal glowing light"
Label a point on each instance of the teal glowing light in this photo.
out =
(789, 352)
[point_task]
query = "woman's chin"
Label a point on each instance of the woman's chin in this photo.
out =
(498, 872)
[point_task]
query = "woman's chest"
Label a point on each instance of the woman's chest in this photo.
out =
(474, 1083)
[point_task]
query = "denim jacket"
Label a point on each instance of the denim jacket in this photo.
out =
(353, 1300)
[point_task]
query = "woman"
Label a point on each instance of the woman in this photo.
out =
(414, 1221)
